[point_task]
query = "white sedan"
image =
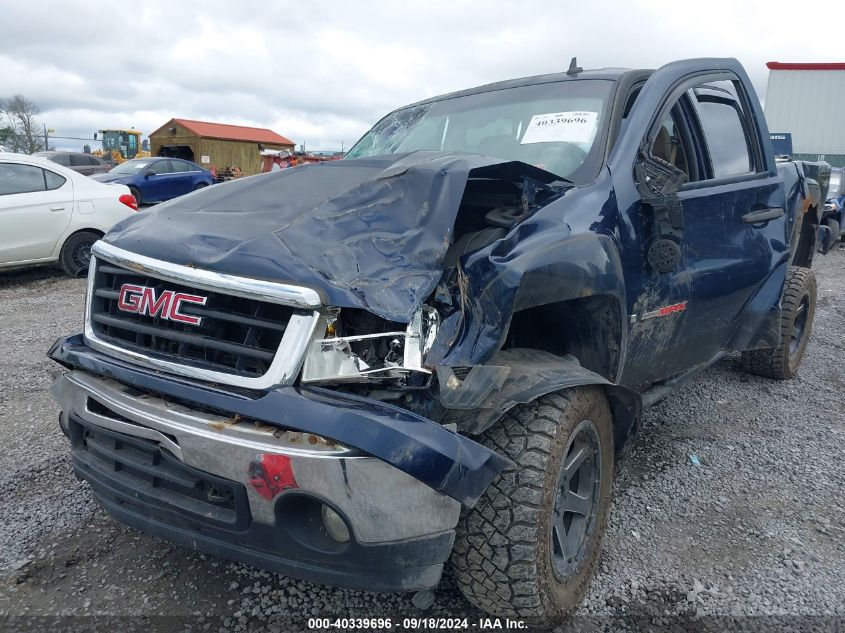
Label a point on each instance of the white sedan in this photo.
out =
(51, 214)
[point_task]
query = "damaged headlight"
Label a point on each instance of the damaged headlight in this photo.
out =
(338, 356)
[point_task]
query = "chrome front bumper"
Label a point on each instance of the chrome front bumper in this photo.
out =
(240, 475)
(381, 503)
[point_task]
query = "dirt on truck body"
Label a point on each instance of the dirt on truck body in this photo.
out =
(431, 351)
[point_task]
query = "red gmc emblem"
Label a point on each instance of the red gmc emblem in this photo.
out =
(168, 305)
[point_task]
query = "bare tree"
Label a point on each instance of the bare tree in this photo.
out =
(20, 113)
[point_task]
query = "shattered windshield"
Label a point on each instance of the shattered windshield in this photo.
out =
(553, 126)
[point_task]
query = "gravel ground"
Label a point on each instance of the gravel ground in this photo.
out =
(750, 539)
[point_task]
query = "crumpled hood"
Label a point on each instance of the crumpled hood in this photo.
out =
(369, 232)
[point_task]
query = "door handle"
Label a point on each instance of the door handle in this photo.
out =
(57, 207)
(763, 215)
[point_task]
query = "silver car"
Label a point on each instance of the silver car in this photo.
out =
(77, 161)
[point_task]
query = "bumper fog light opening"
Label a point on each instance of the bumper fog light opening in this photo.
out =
(334, 524)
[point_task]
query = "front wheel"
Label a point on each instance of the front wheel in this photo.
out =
(798, 307)
(530, 546)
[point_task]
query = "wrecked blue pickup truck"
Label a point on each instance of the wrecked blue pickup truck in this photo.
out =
(357, 371)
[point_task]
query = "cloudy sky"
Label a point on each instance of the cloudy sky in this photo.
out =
(321, 73)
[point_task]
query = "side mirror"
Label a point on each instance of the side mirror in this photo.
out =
(659, 183)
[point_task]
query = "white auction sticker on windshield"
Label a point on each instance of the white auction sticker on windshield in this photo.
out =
(568, 127)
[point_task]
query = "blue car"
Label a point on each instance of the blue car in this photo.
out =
(158, 179)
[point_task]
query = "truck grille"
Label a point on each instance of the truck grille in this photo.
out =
(235, 335)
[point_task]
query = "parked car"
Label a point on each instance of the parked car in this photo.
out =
(158, 179)
(77, 161)
(355, 371)
(833, 216)
(49, 213)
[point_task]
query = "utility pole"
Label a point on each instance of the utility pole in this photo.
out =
(47, 132)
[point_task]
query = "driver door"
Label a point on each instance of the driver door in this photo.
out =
(684, 316)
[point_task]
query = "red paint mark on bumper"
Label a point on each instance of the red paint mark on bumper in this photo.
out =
(272, 475)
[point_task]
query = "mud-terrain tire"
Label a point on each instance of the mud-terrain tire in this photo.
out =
(504, 559)
(76, 252)
(798, 307)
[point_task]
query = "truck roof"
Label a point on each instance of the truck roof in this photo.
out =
(610, 74)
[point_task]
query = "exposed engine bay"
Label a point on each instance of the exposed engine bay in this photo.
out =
(490, 208)
(357, 346)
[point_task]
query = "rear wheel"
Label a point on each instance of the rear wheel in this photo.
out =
(529, 547)
(798, 307)
(201, 185)
(76, 252)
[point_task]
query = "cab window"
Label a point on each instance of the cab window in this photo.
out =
(707, 134)
(132, 145)
(668, 145)
(726, 128)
